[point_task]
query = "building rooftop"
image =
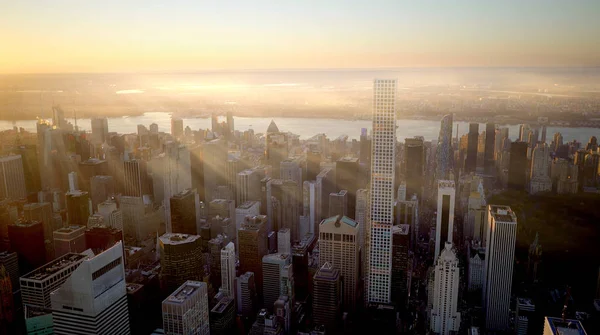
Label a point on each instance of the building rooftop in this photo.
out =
(93, 161)
(221, 305)
(246, 276)
(401, 229)
(327, 272)
(173, 238)
(502, 213)
(69, 229)
(184, 292)
(446, 183)
(133, 287)
(272, 128)
(25, 223)
(183, 194)
(275, 258)
(247, 204)
(339, 219)
(55, 266)
(566, 327)
(76, 193)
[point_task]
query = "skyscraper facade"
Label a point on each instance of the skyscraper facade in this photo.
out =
(339, 203)
(445, 153)
(338, 243)
(540, 180)
(93, 300)
(78, 208)
(99, 130)
(228, 270)
(490, 140)
(473, 138)
(181, 259)
(517, 168)
(400, 264)
(273, 268)
(445, 318)
(444, 226)
(327, 297)
(12, 178)
(347, 179)
(183, 213)
(186, 310)
(253, 246)
(382, 191)
(499, 262)
(414, 152)
(136, 178)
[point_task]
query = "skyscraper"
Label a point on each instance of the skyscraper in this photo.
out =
(12, 178)
(27, 240)
(407, 212)
(325, 185)
(78, 208)
(473, 138)
(327, 297)
(517, 168)
(362, 204)
(253, 246)
(560, 326)
(99, 130)
(313, 164)
(382, 191)
(88, 169)
(498, 270)
(346, 172)
(101, 188)
(445, 153)
(246, 295)
(248, 185)
(228, 270)
(400, 264)
(214, 165)
(186, 310)
(283, 241)
(338, 203)
(540, 170)
(180, 258)
(183, 212)
(490, 140)
(445, 318)
(42, 212)
(277, 148)
(136, 178)
(176, 127)
(287, 195)
(273, 268)
(444, 226)
(94, 298)
(414, 152)
(338, 243)
(69, 240)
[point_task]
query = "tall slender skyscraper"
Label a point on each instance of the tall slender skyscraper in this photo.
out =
(444, 225)
(444, 149)
(444, 317)
(185, 311)
(382, 191)
(12, 178)
(499, 261)
(540, 166)
(517, 168)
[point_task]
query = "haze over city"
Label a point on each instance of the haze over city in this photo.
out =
(299, 167)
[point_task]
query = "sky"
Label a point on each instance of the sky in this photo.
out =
(145, 36)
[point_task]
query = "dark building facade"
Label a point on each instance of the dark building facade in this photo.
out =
(517, 169)
(346, 172)
(473, 141)
(490, 141)
(183, 213)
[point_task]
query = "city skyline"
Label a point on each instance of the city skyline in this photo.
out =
(151, 36)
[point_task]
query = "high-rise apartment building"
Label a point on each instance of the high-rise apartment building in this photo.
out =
(228, 270)
(327, 293)
(517, 168)
(246, 295)
(445, 318)
(186, 310)
(400, 264)
(27, 240)
(473, 139)
(499, 262)
(101, 188)
(37, 285)
(248, 185)
(78, 208)
(253, 246)
(338, 246)
(12, 178)
(99, 130)
(276, 148)
(445, 152)
(414, 166)
(444, 227)
(490, 141)
(540, 180)
(176, 127)
(347, 172)
(183, 212)
(93, 300)
(338, 203)
(180, 258)
(136, 178)
(69, 239)
(379, 240)
(273, 268)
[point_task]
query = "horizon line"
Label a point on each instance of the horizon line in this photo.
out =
(319, 69)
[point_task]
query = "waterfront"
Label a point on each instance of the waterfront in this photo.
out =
(305, 127)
